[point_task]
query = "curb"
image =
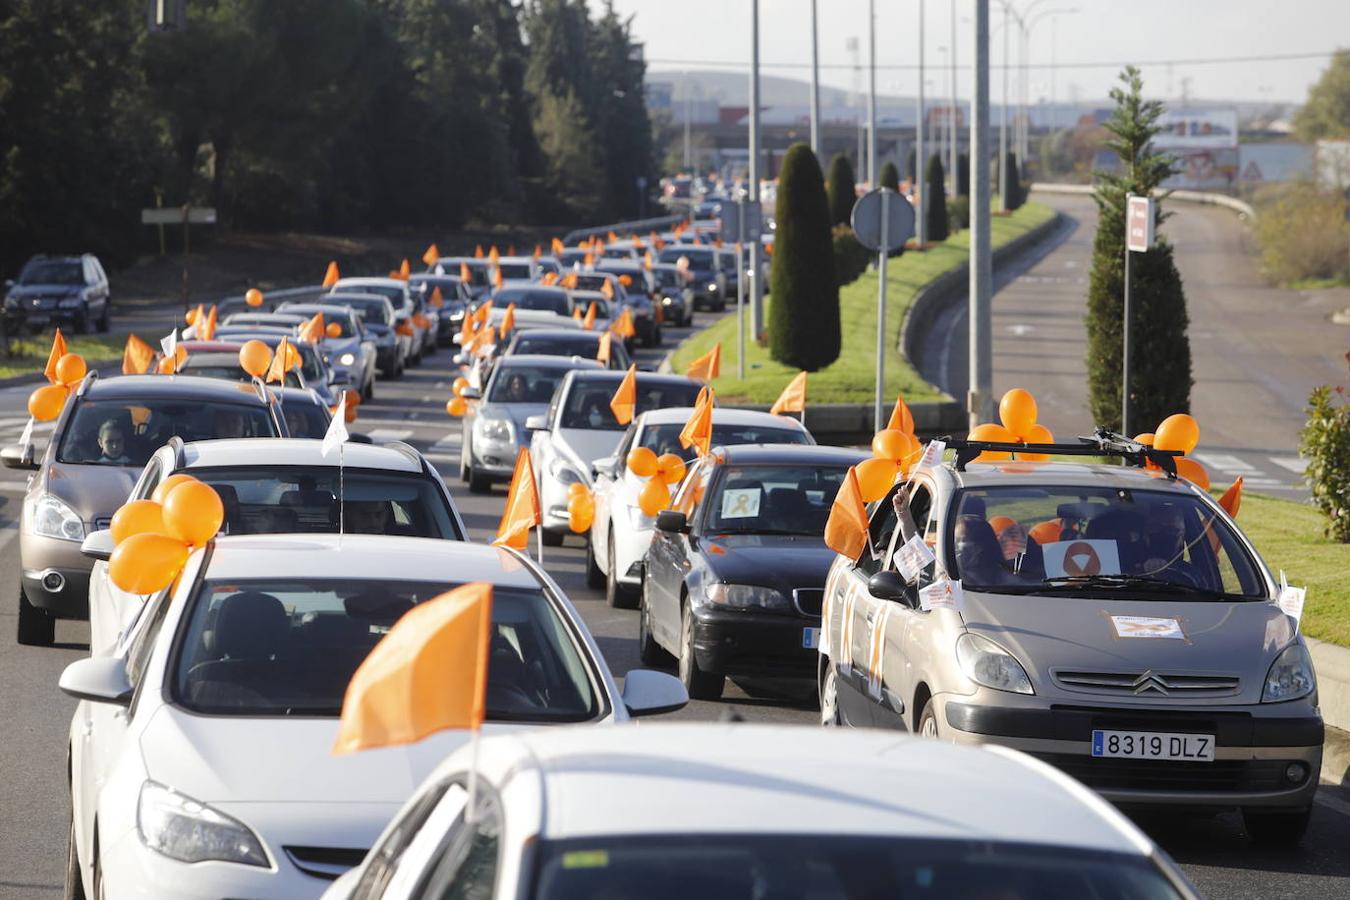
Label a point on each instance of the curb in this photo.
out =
(1336, 757)
(1332, 665)
(1233, 203)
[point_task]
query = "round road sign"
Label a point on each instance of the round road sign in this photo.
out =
(866, 219)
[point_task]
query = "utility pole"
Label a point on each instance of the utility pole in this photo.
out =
(688, 150)
(953, 119)
(871, 93)
(921, 227)
(756, 280)
(815, 86)
(1003, 127)
(979, 402)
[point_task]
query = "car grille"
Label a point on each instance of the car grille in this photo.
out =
(1222, 775)
(329, 863)
(1147, 683)
(808, 601)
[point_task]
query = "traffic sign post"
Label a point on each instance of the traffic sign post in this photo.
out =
(186, 215)
(1139, 222)
(882, 220)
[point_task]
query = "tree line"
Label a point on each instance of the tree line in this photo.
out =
(334, 115)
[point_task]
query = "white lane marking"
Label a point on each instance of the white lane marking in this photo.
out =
(1331, 802)
(1021, 330)
(389, 434)
(1293, 463)
(1225, 462)
(443, 458)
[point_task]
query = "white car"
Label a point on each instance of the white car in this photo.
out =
(400, 295)
(201, 752)
(734, 812)
(621, 532)
(579, 428)
(283, 485)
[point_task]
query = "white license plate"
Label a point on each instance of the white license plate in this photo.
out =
(810, 638)
(1153, 745)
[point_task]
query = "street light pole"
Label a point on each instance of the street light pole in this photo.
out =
(921, 226)
(979, 402)
(815, 87)
(871, 93)
(756, 281)
(952, 117)
(1003, 126)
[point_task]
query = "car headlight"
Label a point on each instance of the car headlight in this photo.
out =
(184, 829)
(712, 286)
(491, 428)
(746, 596)
(1290, 676)
(988, 664)
(49, 516)
(564, 473)
(347, 359)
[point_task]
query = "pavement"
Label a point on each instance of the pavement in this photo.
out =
(34, 809)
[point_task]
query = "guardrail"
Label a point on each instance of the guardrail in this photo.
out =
(637, 226)
(1233, 203)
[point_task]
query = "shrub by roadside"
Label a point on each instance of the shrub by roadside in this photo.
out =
(851, 258)
(1325, 443)
(1303, 233)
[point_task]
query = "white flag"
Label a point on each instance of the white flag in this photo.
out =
(27, 437)
(169, 344)
(336, 435)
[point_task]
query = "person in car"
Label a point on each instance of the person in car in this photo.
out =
(229, 424)
(368, 517)
(1164, 546)
(978, 555)
(112, 443)
(517, 389)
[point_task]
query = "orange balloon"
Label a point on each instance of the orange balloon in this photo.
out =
(255, 357)
(655, 496)
(253, 297)
(1146, 438)
(580, 513)
(642, 462)
(46, 403)
(193, 512)
(576, 489)
(1017, 412)
(993, 433)
(161, 492)
(1038, 434)
(70, 368)
(353, 401)
(1046, 532)
(875, 477)
(998, 523)
(1177, 432)
(146, 563)
(137, 517)
(670, 468)
(458, 385)
(1193, 472)
(893, 444)
(333, 330)
(457, 406)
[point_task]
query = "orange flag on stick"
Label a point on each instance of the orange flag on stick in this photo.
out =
(331, 277)
(602, 354)
(497, 279)
(478, 251)
(493, 255)
(404, 270)
(464, 274)
(623, 326)
(1231, 501)
(428, 674)
(708, 366)
(466, 328)
(508, 320)
(312, 332)
(522, 510)
(283, 360)
(137, 356)
(607, 289)
(558, 247)
(846, 528)
(901, 418)
(588, 322)
(432, 255)
(697, 431)
(538, 252)
(793, 398)
(206, 327)
(58, 351)
(624, 402)
(576, 313)
(437, 299)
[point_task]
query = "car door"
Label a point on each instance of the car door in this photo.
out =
(110, 607)
(667, 562)
(608, 482)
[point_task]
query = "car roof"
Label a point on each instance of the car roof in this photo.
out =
(211, 346)
(243, 318)
(546, 361)
(1015, 472)
(808, 454)
(336, 297)
(362, 557)
(642, 377)
(336, 309)
(722, 415)
(516, 260)
(559, 333)
(456, 260)
(664, 778)
(368, 280)
(151, 387)
(230, 453)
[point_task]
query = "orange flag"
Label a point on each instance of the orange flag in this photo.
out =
(404, 270)
(497, 279)
(1231, 501)
(428, 674)
(508, 320)
(846, 529)
(510, 249)
(493, 255)
(588, 322)
(483, 313)
(331, 277)
(569, 280)
(793, 398)
(522, 510)
(588, 260)
(708, 366)
(576, 313)
(58, 351)
(312, 332)
(478, 251)
(466, 328)
(432, 255)
(648, 260)
(607, 289)
(623, 326)
(613, 237)
(558, 247)
(624, 402)
(437, 299)
(206, 330)
(538, 252)
(602, 354)
(464, 274)
(549, 278)
(697, 432)
(137, 356)
(901, 418)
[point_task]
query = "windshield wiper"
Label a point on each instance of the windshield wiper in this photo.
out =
(1122, 582)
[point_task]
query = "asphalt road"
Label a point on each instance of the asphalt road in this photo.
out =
(34, 809)
(1257, 351)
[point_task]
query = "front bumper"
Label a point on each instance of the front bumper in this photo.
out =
(55, 575)
(1253, 749)
(494, 458)
(754, 644)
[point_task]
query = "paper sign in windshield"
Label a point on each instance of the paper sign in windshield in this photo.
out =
(1076, 559)
(912, 558)
(1147, 627)
(942, 594)
(932, 454)
(740, 503)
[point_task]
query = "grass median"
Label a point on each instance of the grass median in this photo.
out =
(29, 354)
(851, 378)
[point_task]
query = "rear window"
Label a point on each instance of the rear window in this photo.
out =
(665, 438)
(587, 404)
(227, 370)
(773, 499)
(698, 258)
(515, 271)
(543, 301)
(369, 310)
(127, 432)
(305, 419)
(583, 345)
(524, 384)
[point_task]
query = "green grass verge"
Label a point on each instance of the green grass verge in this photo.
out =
(30, 353)
(1318, 284)
(851, 378)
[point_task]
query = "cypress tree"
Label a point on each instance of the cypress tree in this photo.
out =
(1015, 196)
(890, 176)
(912, 165)
(1160, 350)
(841, 189)
(937, 199)
(963, 176)
(804, 313)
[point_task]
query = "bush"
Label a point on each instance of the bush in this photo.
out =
(890, 176)
(1303, 233)
(851, 258)
(937, 199)
(1016, 195)
(804, 315)
(842, 190)
(1325, 443)
(958, 213)
(963, 178)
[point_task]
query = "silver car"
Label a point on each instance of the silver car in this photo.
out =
(351, 354)
(1112, 621)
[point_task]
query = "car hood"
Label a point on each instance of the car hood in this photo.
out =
(95, 492)
(22, 291)
(517, 413)
(785, 562)
(1063, 632)
(584, 446)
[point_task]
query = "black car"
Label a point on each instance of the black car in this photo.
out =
(674, 293)
(709, 283)
(60, 290)
(735, 574)
(454, 294)
(565, 342)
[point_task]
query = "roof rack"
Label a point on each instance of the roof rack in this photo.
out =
(1102, 442)
(179, 453)
(409, 451)
(85, 383)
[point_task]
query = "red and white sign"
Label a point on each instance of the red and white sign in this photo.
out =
(1138, 223)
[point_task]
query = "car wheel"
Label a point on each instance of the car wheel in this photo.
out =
(649, 651)
(103, 320)
(369, 392)
(829, 697)
(656, 337)
(928, 723)
(74, 887)
(701, 685)
(619, 596)
(80, 323)
(479, 484)
(551, 538)
(595, 577)
(1276, 828)
(36, 628)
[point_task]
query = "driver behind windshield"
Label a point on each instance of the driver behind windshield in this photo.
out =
(112, 443)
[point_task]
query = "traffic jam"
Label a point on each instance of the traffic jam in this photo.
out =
(305, 679)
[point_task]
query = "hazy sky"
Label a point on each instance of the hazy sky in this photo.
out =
(679, 32)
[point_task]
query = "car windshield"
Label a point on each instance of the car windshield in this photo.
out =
(343, 323)
(1032, 539)
(305, 419)
(289, 646)
(371, 311)
(515, 271)
(225, 366)
(592, 281)
(448, 284)
(772, 499)
(68, 273)
(585, 345)
(310, 366)
(665, 438)
(698, 258)
(584, 303)
(545, 301)
(524, 384)
(668, 278)
(587, 404)
(127, 432)
(478, 270)
(289, 499)
(835, 867)
(394, 293)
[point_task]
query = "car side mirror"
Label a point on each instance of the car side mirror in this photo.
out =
(100, 679)
(536, 423)
(648, 693)
(471, 393)
(889, 585)
(672, 520)
(99, 545)
(18, 456)
(604, 466)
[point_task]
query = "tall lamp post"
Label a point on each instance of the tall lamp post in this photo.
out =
(921, 227)
(756, 280)
(979, 401)
(815, 86)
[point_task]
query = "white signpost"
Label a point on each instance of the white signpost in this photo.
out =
(186, 215)
(1139, 221)
(882, 221)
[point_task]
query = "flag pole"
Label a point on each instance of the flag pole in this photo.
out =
(470, 807)
(342, 487)
(539, 536)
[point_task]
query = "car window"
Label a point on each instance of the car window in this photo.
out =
(468, 867)
(400, 860)
(920, 512)
(665, 438)
(289, 646)
(515, 271)
(586, 405)
(583, 345)
(144, 632)
(305, 419)
(227, 369)
(369, 310)
(524, 384)
(772, 499)
(880, 530)
(543, 301)
(128, 432)
(698, 258)
(52, 272)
